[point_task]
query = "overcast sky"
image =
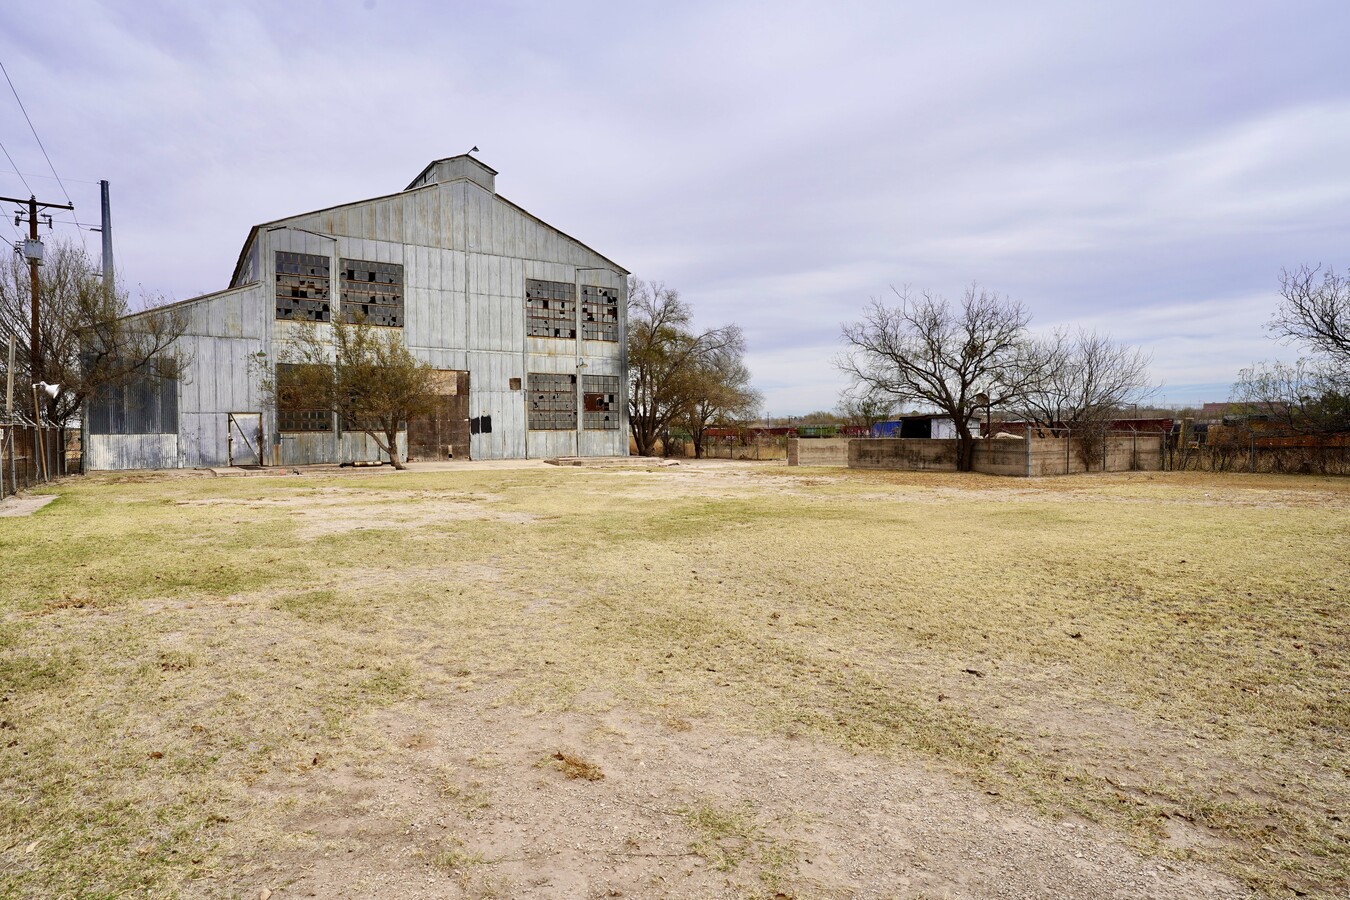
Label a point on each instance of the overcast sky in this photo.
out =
(1146, 171)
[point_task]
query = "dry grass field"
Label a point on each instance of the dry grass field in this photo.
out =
(718, 680)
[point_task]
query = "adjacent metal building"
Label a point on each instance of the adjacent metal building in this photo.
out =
(525, 325)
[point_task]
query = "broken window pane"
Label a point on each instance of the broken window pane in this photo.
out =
(599, 313)
(292, 415)
(372, 293)
(553, 402)
(600, 402)
(550, 309)
(302, 287)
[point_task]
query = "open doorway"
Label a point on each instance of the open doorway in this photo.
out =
(443, 433)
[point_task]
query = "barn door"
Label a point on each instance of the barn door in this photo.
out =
(244, 442)
(444, 432)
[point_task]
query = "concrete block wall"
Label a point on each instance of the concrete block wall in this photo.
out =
(817, 451)
(1001, 457)
(911, 454)
(1044, 456)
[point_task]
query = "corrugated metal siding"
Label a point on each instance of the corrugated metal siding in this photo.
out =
(128, 451)
(312, 448)
(466, 254)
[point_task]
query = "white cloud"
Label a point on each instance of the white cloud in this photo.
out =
(1146, 168)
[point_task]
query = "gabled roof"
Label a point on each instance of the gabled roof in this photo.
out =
(253, 232)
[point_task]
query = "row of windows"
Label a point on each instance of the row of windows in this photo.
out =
(552, 403)
(551, 307)
(372, 292)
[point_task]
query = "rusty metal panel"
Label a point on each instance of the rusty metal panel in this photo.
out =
(445, 432)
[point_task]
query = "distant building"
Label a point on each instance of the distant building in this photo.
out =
(916, 425)
(525, 325)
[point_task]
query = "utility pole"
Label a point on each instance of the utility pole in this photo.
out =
(32, 250)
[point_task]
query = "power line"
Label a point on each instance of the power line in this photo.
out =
(16, 169)
(17, 232)
(41, 147)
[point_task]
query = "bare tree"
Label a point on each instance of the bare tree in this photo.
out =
(1081, 380)
(662, 353)
(364, 375)
(719, 391)
(1315, 311)
(865, 407)
(1082, 376)
(928, 351)
(89, 338)
(1305, 397)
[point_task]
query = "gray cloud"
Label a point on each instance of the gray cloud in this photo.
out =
(1146, 169)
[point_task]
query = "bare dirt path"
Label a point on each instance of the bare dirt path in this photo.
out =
(23, 506)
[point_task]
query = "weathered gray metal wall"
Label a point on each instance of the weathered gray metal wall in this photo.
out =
(224, 333)
(466, 254)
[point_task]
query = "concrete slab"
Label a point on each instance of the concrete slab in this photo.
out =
(23, 506)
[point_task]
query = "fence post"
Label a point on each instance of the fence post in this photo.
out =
(1251, 461)
(1068, 441)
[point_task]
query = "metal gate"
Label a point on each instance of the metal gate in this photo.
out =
(243, 444)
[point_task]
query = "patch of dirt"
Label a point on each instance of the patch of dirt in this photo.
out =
(13, 507)
(341, 510)
(463, 807)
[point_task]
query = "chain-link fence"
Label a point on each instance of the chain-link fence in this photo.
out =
(30, 456)
(758, 447)
(1234, 449)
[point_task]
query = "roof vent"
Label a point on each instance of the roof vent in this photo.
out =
(454, 168)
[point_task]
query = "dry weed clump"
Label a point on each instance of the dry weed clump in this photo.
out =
(575, 767)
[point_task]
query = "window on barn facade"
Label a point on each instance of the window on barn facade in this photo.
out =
(291, 414)
(372, 292)
(550, 309)
(302, 287)
(553, 402)
(599, 313)
(600, 402)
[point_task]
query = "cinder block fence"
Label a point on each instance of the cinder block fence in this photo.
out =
(1039, 455)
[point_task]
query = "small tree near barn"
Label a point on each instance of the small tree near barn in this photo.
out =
(719, 391)
(952, 357)
(1310, 396)
(366, 376)
(664, 353)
